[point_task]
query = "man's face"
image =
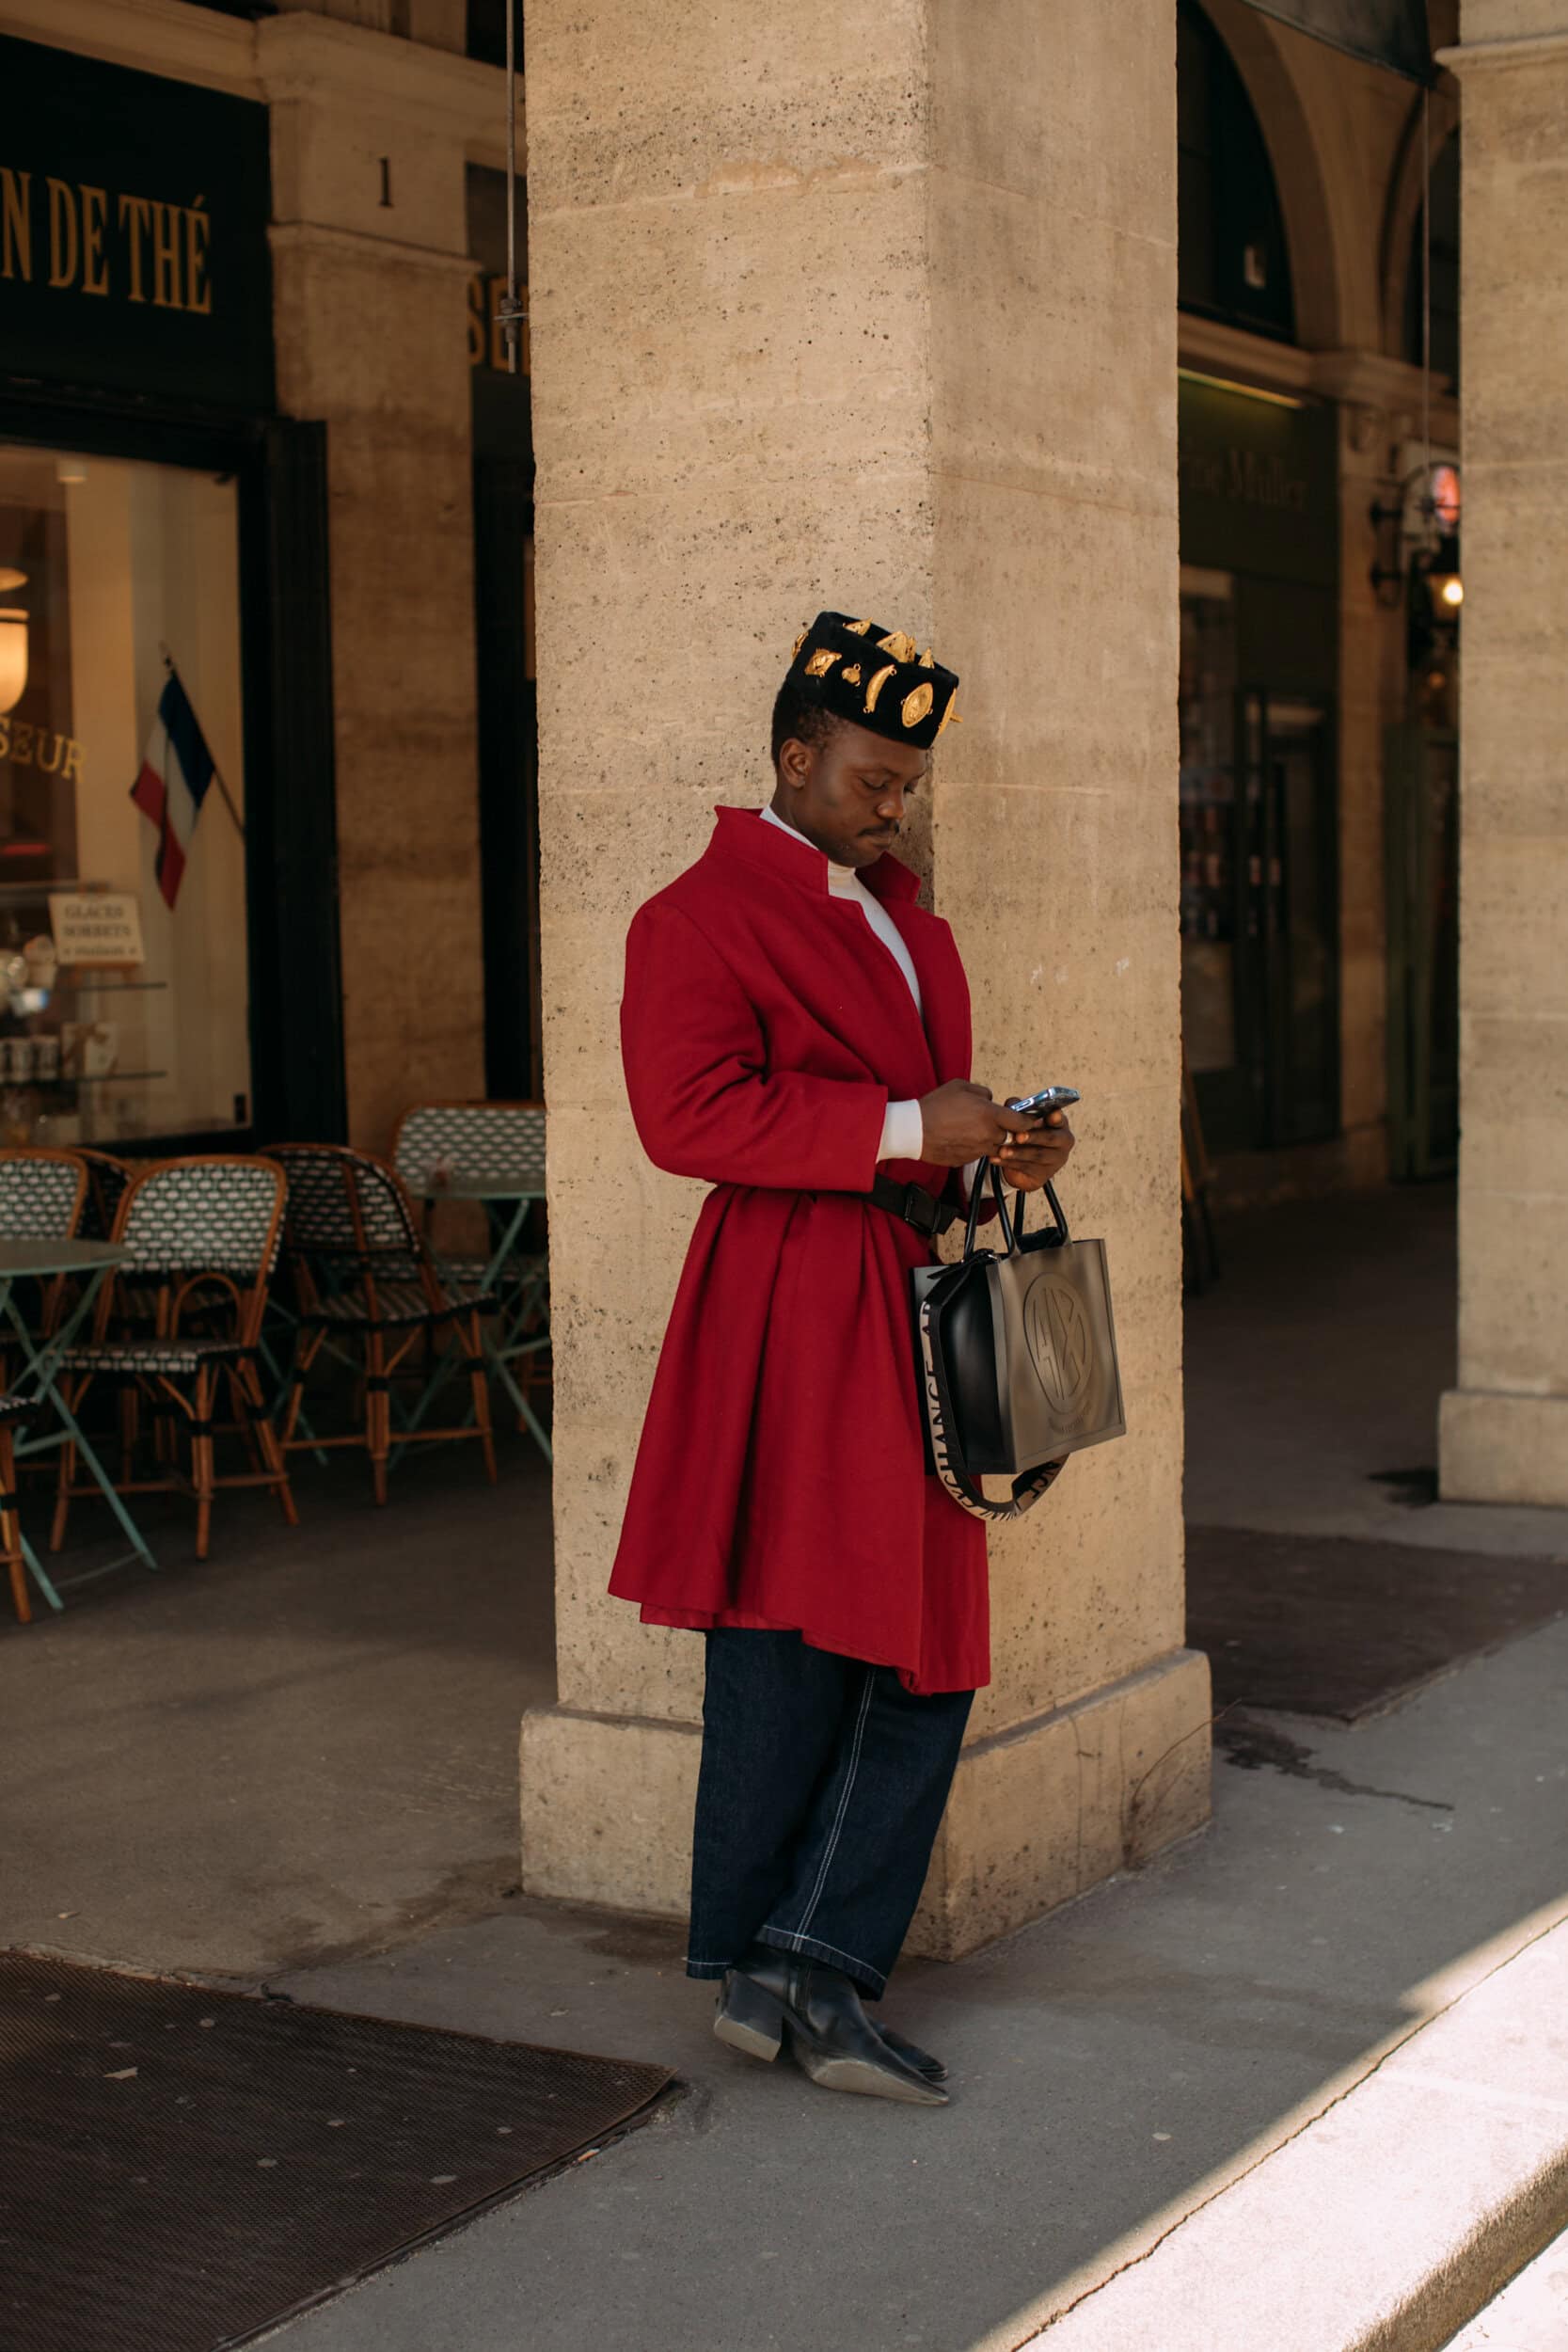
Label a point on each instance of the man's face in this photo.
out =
(847, 795)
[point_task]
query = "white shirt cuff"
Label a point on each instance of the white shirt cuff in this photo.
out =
(978, 1167)
(902, 1132)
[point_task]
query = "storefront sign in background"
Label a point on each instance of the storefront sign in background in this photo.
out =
(103, 928)
(133, 221)
(1260, 484)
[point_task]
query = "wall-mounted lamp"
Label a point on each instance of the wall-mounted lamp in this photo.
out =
(1418, 554)
(1439, 575)
(13, 641)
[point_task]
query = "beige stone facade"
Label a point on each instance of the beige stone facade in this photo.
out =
(1505, 1426)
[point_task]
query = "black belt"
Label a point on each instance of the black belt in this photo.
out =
(914, 1204)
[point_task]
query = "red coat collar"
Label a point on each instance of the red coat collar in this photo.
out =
(741, 834)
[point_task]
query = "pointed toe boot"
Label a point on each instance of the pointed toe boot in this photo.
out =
(778, 1998)
(911, 2053)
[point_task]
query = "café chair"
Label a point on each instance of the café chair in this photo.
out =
(181, 1321)
(42, 1197)
(368, 1292)
(438, 1144)
(42, 1194)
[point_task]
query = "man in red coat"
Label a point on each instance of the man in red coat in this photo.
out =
(795, 1031)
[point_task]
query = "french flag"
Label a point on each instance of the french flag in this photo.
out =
(175, 773)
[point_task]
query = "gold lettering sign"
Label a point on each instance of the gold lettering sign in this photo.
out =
(74, 238)
(26, 745)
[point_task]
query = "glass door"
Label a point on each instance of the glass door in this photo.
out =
(1260, 950)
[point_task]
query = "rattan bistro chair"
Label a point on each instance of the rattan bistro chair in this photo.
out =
(471, 1143)
(438, 1141)
(184, 1312)
(42, 1194)
(364, 1282)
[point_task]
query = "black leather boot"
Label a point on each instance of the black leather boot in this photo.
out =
(774, 1998)
(912, 2052)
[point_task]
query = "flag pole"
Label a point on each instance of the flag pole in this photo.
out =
(218, 771)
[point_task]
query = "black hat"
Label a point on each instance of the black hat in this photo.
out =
(872, 676)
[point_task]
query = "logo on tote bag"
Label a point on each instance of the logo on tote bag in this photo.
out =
(1058, 1331)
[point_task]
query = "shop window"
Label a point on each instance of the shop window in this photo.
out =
(123, 979)
(1444, 272)
(1232, 259)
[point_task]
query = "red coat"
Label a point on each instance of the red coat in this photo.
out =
(780, 1479)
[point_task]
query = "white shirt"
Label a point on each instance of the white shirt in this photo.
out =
(903, 1135)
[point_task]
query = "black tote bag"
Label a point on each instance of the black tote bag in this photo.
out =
(1016, 1356)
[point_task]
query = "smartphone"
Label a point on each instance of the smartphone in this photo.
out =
(1048, 1099)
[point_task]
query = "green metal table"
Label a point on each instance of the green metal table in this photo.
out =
(88, 1264)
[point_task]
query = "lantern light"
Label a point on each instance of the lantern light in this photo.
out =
(13, 656)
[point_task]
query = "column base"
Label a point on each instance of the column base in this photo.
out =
(1038, 1813)
(1495, 1447)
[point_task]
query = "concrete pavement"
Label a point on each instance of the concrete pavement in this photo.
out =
(305, 1746)
(1115, 2067)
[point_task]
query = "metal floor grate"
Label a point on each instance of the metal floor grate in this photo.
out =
(180, 2169)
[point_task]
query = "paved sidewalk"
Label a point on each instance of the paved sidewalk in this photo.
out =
(1117, 2066)
(1113, 2066)
(1314, 1369)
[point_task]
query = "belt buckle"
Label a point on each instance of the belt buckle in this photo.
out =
(921, 1210)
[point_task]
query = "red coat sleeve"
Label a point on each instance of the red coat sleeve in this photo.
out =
(703, 1099)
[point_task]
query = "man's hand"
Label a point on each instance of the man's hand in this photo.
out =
(960, 1123)
(1036, 1159)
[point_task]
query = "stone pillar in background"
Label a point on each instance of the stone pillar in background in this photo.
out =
(872, 307)
(371, 269)
(1505, 1426)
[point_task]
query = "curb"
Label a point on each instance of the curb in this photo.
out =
(1387, 2219)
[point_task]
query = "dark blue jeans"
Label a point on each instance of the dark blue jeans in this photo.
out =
(821, 1791)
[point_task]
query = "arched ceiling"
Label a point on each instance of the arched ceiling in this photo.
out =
(1392, 33)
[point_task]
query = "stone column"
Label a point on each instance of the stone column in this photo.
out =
(1505, 1426)
(371, 275)
(871, 306)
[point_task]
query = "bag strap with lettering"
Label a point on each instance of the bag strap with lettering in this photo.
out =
(950, 1467)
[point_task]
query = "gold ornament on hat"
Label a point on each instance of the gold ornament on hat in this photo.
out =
(927, 660)
(795, 649)
(896, 644)
(852, 677)
(821, 662)
(949, 714)
(857, 629)
(918, 702)
(877, 685)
